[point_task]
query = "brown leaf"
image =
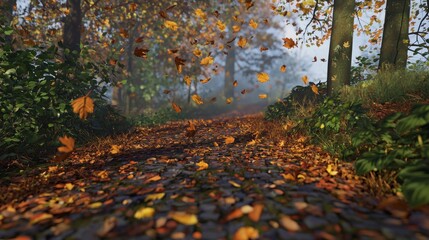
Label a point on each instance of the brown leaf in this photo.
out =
(246, 233)
(176, 107)
(83, 106)
(68, 143)
(237, 213)
(179, 63)
(197, 99)
(229, 140)
(289, 224)
(288, 43)
(141, 52)
(255, 215)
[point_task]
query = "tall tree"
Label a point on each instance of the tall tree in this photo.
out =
(340, 49)
(394, 46)
(72, 27)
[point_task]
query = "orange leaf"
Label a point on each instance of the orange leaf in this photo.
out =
(184, 218)
(171, 25)
(229, 140)
(202, 165)
(197, 99)
(315, 89)
(235, 83)
(288, 43)
(253, 24)
(289, 224)
(256, 213)
(68, 143)
(176, 107)
(229, 100)
(305, 79)
(246, 233)
(83, 106)
(242, 42)
(263, 96)
(207, 61)
(283, 68)
(262, 49)
(237, 213)
(179, 63)
(220, 25)
(263, 77)
(188, 80)
(200, 14)
(205, 80)
(236, 28)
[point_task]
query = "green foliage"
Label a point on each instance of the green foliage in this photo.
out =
(154, 118)
(332, 123)
(299, 97)
(399, 143)
(390, 86)
(36, 88)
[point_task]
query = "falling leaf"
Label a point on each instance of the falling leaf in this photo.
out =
(171, 25)
(179, 63)
(163, 14)
(197, 52)
(123, 33)
(141, 52)
(235, 83)
(172, 51)
(68, 143)
(154, 196)
(263, 77)
(262, 49)
(176, 107)
(184, 218)
(200, 14)
(206, 80)
(283, 68)
(83, 106)
(289, 224)
(315, 89)
(249, 4)
(253, 24)
(242, 42)
(346, 44)
(236, 28)
(187, 80)
(139, 39)
(202, 165)
(255, 215)
(229, 100)
(314, 59)
(115, 149)
(166, 91)
(305, 79)
(207, 61)
(243, 91)
(246, 233)
(288, 43)
(330, 170)
(229, 140)
(197, 99)
(263, 96)
(144, 212)
(220, 25)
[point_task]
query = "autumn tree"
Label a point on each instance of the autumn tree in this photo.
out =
(394, 47)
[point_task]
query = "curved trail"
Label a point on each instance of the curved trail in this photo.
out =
(97, 193)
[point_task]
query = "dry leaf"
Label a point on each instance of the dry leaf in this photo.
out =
(171, 25)
(253, 24)
(305, 79)
(154, 196)
(202, 165)
(40, 217)
(220, 25)
(229, 140)
(206, 80)
(184, 218)
(255, 215)
(283, 68)
(234, 184)
(262, 49)
(83, 106)
(176, 107)
(229, 100)
(207, 61)
(68, 143)
(197, 99)
(289, 224)
(197, 52)
(237, 213)
(315, 89)
(263, 96)
(200, 14)
(179, 63)
(141, 52)
(246, 233)
(187, 80)
(144, 212)
(330, 170)
(242, 42)
(263, 77)
(288, 43)
(108, 224)
(235, 83)
(236, 28)
(115, 149)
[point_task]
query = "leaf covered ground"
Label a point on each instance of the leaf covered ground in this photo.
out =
(226, 178)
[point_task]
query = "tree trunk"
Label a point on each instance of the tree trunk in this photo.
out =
(71, 31)
(340, 49)
(229, 72)
(394, 46)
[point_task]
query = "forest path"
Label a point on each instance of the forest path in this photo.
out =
(149, 186)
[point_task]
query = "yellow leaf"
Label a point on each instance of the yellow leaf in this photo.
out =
(207, 61)
(202, 165)
(283, 68)
(246, 233)
(234, 184)
(176, 107)
(346, 44)
(171, 25)
(242, 42)
(184, 218)
(144, 212)
(200, 14)
(330, 170)
(115, 149)
(220, 25)
(263, 77)
(289, 224)
(229, 100)
(263, 96)
(68, 143)
(309, 3)
(95, 205)
(288, 177)
(83, 106)
(236, 28)
(197, 99)
(305, 79)
(154, 196)
(315, 89)
(229, 140)
(69, 186)
(197, 52)
(40, 217)
(253, 24)
(187, 80)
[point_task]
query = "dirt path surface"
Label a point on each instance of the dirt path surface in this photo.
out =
(236, 178)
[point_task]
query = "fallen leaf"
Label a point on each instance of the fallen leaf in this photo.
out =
(202, 165)
(288, 177)
(95, 205)
(115, 149)
(171, 25)
(40, 217)
(237, 213)
(289, 224)
(144, 212)
(69, 186)
(154, 197)
(108, 224)
(330, 170)
(234, 184)
(184, 218)
(229, 140)
(246, 233)
(255, 215)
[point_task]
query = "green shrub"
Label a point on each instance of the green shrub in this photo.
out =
(399, 143)
(160, 116)
(299, 97)
(36, 89)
